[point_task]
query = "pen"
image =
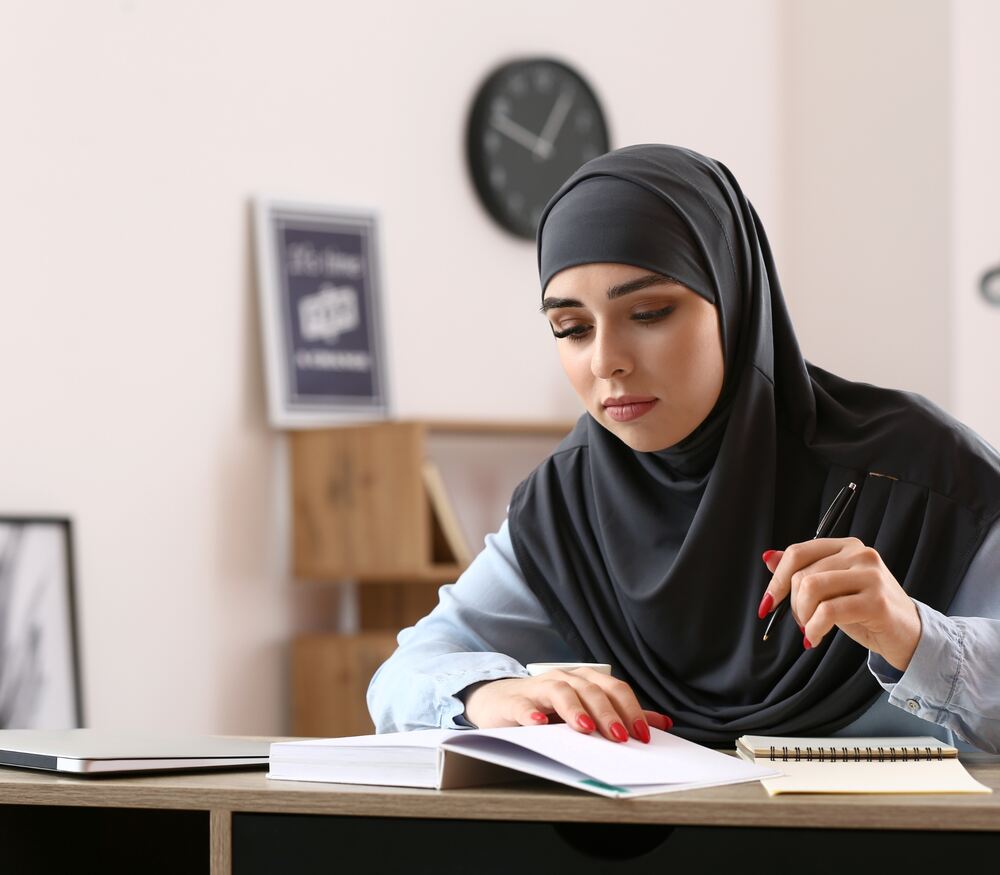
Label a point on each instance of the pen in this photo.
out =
(826, 525)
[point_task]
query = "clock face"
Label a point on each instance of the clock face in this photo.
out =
(533, 123)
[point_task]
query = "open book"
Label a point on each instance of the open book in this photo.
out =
(859, 765)
(449, 758)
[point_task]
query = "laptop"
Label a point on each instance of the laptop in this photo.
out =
(89, 752)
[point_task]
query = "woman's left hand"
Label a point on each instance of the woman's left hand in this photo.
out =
(841, 582)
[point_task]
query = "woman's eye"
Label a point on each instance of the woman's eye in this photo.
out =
(574, 332)
(653, 315)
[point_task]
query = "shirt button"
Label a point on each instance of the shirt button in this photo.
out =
(912, 705)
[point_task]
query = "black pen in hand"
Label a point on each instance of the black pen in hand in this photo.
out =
(826, 526)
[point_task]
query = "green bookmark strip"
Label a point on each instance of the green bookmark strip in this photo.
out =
(604, 786)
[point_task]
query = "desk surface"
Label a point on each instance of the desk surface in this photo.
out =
(734, 805)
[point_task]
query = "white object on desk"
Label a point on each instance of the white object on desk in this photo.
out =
(920, 764)
(450, 758)
(93, 751)
(537, 668)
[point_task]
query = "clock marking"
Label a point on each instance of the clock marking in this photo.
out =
(516, 132)
(500, 106)
(543, 80)
(553, 123)
(517, 84)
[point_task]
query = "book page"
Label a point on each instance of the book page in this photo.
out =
(666, 759)
(921, 776)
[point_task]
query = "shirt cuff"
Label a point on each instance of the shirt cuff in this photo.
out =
(450, 686)
(930, 680)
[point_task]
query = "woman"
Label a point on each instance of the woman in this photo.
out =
(680, 511)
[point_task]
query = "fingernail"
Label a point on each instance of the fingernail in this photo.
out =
(765, 606)
(538, 717)
(670, 722)
(641, 731)
(767, 555)
(586, 723)
(805, 643)
(618, 731)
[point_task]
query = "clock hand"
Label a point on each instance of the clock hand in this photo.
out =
(553, 124)
(513, 130)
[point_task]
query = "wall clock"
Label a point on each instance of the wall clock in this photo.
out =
(533, 122)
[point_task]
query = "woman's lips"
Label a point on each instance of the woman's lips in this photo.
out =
(629, 410)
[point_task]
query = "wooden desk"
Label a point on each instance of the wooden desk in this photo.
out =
(245, 823)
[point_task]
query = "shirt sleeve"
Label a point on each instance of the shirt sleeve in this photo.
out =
(953, 678)
(486, 626)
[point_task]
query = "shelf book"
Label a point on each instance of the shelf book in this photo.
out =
(445, 759)
(859, 765)
(444, 514)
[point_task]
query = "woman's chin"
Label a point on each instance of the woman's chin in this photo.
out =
(643, 437)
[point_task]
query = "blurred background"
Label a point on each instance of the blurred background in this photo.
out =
(137, 133)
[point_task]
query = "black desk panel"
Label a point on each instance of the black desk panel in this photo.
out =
(264, 844)
(55, 839)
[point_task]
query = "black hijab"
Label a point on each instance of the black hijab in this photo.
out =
(651, 561)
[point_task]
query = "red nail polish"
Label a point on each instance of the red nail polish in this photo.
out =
(618, 731)
(641, 731)
(538, 717)
(806, 644)
(586, 723)
(767, 555)
(765, 606)
(670, 722)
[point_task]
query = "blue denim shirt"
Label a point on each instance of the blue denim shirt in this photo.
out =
(489, 625)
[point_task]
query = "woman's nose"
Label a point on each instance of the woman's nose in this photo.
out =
(610, 357)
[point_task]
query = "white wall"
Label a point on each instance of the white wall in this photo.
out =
(134, 134)
(867, 187)
(976, 210)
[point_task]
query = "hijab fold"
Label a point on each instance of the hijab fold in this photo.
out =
(652, 561)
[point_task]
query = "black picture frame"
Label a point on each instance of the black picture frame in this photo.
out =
(319, 284)
(40, 668)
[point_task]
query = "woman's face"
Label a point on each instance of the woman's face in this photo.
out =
(644, 353)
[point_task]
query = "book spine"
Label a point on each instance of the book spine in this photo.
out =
(854, 754)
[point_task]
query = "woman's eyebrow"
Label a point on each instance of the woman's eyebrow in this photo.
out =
(642, 282)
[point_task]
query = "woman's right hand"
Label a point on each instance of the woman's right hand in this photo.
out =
(585, 699)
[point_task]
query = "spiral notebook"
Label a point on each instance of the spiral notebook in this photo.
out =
(859, 765)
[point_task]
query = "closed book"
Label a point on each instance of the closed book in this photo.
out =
(445, 759)
(859, 765)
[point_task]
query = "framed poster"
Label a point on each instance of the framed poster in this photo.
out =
(39, 654)
(319, 288)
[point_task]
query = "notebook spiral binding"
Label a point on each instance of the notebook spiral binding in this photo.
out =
(854, 754)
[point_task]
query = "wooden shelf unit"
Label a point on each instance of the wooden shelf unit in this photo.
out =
(364, 510)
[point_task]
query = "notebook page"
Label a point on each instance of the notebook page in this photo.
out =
(920, 776)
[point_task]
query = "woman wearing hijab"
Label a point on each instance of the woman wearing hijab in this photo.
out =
(681, 510)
